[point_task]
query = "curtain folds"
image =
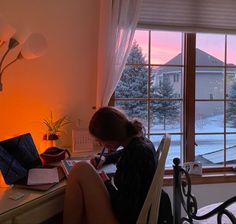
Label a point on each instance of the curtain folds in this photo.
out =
(118, 20)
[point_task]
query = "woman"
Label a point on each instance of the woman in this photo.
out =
(93, 198)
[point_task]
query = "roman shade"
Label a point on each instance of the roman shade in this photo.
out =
(215, 16)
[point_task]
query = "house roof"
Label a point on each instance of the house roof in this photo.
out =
(202, 59)
(217, 157)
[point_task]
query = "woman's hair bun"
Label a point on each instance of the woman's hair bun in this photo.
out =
(135, 127)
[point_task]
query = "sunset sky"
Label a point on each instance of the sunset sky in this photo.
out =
(166, 45)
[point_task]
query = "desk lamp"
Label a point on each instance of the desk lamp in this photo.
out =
(33, 45)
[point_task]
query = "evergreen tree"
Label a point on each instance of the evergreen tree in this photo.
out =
(231, 107)
(167, 111)
(134, 84)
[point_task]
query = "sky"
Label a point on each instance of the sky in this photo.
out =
(166, 44)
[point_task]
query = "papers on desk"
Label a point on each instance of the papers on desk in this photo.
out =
(42, 176)
(68, 164)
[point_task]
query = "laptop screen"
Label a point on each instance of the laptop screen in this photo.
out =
(17, 156)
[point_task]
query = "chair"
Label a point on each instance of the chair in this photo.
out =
(150, 210)
(182, 196)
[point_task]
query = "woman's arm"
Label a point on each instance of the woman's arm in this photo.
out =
(113, 157)
(135, 179)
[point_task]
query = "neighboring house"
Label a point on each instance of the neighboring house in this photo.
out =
(209, 81)
(217, 157)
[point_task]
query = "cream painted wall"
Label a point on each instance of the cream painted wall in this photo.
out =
(207, 194)
(64, 79)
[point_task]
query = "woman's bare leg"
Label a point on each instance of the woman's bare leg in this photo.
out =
(86, 197)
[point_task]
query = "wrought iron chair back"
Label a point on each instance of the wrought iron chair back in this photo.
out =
(183, 197)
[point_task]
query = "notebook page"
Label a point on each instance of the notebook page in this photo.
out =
(42, 176)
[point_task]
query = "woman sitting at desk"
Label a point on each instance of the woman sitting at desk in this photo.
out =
(91, 197)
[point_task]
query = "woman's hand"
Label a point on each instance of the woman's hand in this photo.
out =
(97, 162)
(104, 176)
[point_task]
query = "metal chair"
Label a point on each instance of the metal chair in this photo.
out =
(183, 197)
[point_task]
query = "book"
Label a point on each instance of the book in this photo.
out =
(67, 165)
(42, 176)
(40, 187)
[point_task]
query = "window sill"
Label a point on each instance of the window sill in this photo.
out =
(206, 178)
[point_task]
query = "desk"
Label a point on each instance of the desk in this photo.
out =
(213, 219)
(34, 207)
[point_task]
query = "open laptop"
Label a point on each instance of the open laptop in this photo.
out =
(17, 156)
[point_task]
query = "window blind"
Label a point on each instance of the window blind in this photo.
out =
(217, 16)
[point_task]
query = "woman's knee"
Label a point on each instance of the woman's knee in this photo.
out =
(80, 169)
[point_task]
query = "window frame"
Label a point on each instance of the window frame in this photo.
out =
(188, 100)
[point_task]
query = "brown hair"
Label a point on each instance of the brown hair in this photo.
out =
(112, 124)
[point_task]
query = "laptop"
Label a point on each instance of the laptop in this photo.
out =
(17, 156)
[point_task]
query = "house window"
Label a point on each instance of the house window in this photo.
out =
(176, 77)
(172, 96)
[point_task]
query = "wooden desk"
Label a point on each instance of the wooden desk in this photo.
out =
(34, 207)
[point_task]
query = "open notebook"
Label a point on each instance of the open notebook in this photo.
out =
(17, 156)
(67, 165)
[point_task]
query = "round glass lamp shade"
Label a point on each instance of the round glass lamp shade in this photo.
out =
(35, 46)
(6, 30)
(21, 35)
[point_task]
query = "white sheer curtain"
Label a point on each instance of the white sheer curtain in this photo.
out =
(118, 20)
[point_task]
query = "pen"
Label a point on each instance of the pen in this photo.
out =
(100, 157)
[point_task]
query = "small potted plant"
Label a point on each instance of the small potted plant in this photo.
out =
(54, 127)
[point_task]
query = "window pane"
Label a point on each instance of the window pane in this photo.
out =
(209, 117)
(210, 149)
(175, 147)
(165, 116)
(231, 115)
(134, 109)
(231, 100)
(210, 49)
(231, 83)
(231, 149)
(133, 82)
(166, 82)
(166, 47)
(141, 40)
(231, 49)
(209, 83)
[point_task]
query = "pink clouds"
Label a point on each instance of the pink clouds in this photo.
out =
(165, 45)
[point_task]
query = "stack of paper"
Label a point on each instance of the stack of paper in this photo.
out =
(42, 176)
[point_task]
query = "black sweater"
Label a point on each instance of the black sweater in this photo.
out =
(136, 165)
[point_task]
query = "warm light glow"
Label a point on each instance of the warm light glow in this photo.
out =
(21, 35)
(6, 30)
(46, 144)
(34, 47)
(2, 182)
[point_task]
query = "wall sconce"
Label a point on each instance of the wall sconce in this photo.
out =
(33, 45)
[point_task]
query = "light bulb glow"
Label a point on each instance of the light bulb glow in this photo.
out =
(6, 30)
(35, 46)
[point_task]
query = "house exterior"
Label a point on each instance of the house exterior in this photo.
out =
(209, 81)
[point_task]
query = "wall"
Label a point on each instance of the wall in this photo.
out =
(208, 193)
(64, 79)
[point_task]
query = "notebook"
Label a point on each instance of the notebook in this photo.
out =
(67, 165)
(17, 156)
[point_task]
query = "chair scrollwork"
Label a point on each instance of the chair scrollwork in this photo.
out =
(183, 197)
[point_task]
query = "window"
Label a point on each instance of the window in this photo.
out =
(194, 101)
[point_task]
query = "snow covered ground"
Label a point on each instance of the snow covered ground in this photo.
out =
(208, 146)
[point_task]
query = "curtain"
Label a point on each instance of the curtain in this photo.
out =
(118, 20)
